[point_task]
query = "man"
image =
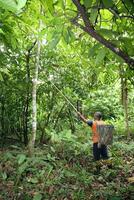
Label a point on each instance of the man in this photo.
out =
(99, 151)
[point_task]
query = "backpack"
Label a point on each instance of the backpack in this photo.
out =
(105, 134)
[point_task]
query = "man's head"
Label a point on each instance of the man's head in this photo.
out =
(97, 115)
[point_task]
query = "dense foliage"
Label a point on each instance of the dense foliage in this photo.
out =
(80, 49)
(65, 171)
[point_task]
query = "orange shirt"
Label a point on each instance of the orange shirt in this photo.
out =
(95, 136)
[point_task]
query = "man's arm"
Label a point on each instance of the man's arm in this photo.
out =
(82, 117)
(88, 122)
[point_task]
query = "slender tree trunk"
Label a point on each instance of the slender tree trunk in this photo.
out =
(125, 102)
(124, 98)
(27, 97)
(122, 88)
(26, 106)
(34, 104)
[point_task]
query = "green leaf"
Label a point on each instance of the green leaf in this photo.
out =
(21, 158)
(33, 180)
(12, 5)
(22, 167)
(93, 15)
(8, 156)
(108, 3)
(4, 175)
(92, 51)
(37, 197)
(55, 41)
(66, 36)
(48, 4)
(1, 77)
(101, 55)
(108, 33)
(88, 3)
(106, 14)
(1, 31)
(5, 71)
(61, 3)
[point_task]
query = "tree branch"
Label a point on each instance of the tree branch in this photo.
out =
(90, 30)
(126, 16)
(114, 12)
(32, 46)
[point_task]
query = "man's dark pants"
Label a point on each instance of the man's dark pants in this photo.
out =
(99, 152)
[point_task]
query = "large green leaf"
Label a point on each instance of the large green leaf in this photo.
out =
(21, 158)
(1, 31)
(1, 77)
(55, 41)
(101, 55)
(66, 36)
(94, 49)
(37, 196)
(108, 3)
(107, 33)
(48, 4)
(12, 5)
(88, 3)
(93, 15)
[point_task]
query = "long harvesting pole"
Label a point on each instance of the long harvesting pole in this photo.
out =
(64, 96)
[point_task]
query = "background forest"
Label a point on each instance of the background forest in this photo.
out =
(85, 49)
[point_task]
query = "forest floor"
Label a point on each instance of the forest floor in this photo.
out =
(65, 172)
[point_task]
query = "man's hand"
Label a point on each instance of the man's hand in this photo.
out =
(82, 117)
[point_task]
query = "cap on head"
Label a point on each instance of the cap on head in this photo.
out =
(97, 115)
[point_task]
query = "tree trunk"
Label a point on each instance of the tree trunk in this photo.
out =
(125, 102)
(124, 98)
(34, 104)
(27, 97)
(122, 88)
